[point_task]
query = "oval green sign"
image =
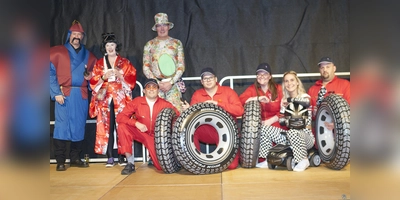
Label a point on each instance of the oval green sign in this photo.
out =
(166, 65)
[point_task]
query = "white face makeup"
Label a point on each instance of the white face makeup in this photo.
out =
(111, 49)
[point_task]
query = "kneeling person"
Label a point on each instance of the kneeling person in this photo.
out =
(223, 96)
(137, 122)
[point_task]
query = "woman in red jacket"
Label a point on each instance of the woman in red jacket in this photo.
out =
(269, 94)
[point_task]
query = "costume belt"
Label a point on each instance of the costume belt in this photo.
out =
(61, 87)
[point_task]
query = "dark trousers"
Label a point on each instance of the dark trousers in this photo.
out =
(60, 150)
(111, 131)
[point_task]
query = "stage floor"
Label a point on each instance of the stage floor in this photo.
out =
(98, 182)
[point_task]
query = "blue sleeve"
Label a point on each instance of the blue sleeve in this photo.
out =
(54, 86)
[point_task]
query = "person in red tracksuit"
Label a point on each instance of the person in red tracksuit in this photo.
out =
(222, 96)
(331, 82)
(137, 121)
(266, 91)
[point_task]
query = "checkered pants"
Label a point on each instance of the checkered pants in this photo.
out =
(301, 140)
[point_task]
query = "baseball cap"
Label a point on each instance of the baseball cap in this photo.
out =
(325, 60)
(207, 71)
(150, 81)
(265, 67)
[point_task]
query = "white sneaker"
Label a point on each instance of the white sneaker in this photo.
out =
(302, 165)
(262, 164)
(110, 165)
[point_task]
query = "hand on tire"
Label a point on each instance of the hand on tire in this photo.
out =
(185, 105)
(329, 125)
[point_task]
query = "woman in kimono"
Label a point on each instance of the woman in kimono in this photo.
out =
(113, 79)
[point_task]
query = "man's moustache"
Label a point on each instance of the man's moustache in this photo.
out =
(76, 39)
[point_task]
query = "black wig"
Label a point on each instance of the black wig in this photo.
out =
(107, 38)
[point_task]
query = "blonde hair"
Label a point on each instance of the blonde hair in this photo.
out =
(300, 87)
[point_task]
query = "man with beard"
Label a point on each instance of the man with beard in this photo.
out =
(329, 83)
(69, 88)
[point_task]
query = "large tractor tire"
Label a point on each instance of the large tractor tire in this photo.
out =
(191, 158)
(250, 134)
(162, 138)
(333, 145)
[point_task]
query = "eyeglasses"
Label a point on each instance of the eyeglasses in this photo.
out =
(207, 79)
(262, 75)
(151, 87)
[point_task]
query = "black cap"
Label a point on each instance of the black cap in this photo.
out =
(150, 81)
(325, 60)
(207, 71)
(264, 67)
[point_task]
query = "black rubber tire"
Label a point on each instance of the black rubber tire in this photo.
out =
(186, 152)
(315, 160)
(162, 138)
(271, 166)
(290, 163)
(250, 135)
(333, 146)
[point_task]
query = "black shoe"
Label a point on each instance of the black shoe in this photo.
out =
(122, 161)
(60, 167)
(129, 169)
(79, 163)
(150, 163)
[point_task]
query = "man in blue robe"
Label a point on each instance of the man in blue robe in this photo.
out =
(69, 88)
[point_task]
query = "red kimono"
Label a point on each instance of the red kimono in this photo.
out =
(120, 91)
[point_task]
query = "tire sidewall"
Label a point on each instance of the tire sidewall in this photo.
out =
(188, 155)
(333, 146)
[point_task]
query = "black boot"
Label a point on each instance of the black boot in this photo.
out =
(60, 167)
(74, 155)
(79, 163)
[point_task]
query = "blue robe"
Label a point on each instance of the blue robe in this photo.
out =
(70, 118)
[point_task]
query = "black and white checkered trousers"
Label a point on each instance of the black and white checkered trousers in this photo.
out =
(299, 139)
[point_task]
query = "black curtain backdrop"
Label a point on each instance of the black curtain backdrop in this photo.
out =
(232, 37)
